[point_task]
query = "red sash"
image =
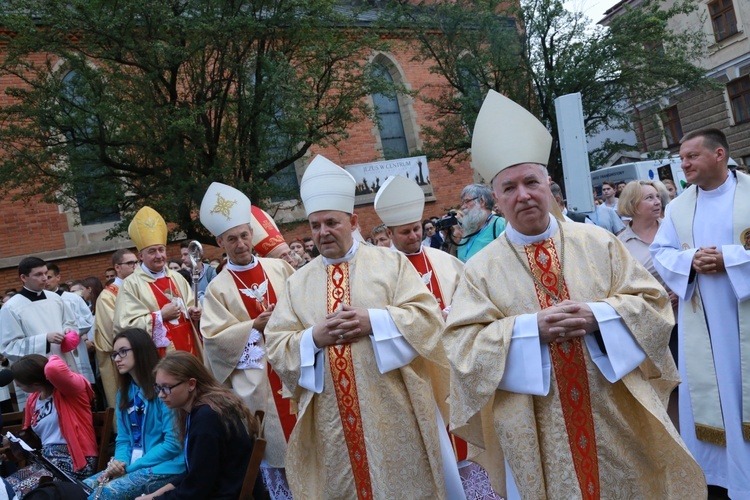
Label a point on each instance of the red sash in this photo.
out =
(422, 264)
(344, 380)
(570, 373)
(253, 278)
(180, 334)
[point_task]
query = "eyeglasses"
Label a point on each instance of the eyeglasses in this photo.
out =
(166, 389)
(129, 263)
(466, 202)
(122, 354)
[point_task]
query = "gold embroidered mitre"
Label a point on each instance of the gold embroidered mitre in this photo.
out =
(224, 207)
(147, 228)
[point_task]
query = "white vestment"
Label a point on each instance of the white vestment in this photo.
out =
(84, 322)
(24, 326)
(728, 466)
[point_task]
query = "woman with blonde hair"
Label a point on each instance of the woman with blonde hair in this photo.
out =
(642, 202)
(215, 426)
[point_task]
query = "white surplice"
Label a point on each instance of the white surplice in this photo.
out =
(728, 466)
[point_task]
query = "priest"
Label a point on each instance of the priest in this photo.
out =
(349, 337)
(154, 297)
(236, 309)
(36, 321)
(400, 205)
(558, 342)
(705, 260)
(123, 262)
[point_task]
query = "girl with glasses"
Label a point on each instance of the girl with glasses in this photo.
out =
(215, 425)
(59, 412)
(147, 453)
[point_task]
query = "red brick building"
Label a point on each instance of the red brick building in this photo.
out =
(55, 234)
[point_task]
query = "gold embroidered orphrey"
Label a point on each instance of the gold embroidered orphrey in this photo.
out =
(223, 206)
(555, 297)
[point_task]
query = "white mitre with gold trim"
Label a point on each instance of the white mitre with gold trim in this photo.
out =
(224, 207)
(326, 186)
(147, 229)
(399, 201)
(506, 134)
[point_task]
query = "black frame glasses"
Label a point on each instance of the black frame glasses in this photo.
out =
(122, 353)
(166, 389)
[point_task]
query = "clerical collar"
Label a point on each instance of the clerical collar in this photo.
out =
(156, 276)
(32, 295)
(345, 258)
(238, 268)
(521, 239)
(415, 253)
(59, 291)
(118, 281)
(727, 186)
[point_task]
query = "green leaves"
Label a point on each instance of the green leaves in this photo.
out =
(168, 96)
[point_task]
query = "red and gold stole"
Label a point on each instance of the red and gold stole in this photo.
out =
(570, 372)
(253, 278)
(422, 264)
(112, 288)
(342, 373)
(180, 334)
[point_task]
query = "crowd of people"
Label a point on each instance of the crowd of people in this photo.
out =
(507, 349)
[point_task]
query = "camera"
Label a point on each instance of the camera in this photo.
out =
(449, 220)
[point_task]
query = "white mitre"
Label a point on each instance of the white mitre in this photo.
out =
(326, 186)
(399, 201)
(505, 134)
(224, 207)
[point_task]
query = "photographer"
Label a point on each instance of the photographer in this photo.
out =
(480, 225)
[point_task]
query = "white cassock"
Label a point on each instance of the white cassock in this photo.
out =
(728, 466)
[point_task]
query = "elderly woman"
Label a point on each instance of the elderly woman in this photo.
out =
(641, 201)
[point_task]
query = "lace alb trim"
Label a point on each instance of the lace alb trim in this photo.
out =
(253, 353)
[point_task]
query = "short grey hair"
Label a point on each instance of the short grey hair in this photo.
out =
(479, 191)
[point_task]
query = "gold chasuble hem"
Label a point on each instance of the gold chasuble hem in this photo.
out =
(344, 380)
(569, 365)
(713, 435)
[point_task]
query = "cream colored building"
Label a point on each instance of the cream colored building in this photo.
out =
(726, 24)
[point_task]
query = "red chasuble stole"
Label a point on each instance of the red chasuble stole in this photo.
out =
(181, 334)
(422, 264)
(256, 299)
(424, 267)
(342, 373)
(112, 288)
(570, 372)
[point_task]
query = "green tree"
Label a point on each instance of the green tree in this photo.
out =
(537, 51)
(114, 105)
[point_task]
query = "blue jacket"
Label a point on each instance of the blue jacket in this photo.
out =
(491, 229)
(161, 447)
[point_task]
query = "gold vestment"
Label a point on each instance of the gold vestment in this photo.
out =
(640, 454)
(398, 410)
(103, 340)
(136, 302)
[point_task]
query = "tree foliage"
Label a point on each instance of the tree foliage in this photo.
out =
(119, 104)
(537, 51)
